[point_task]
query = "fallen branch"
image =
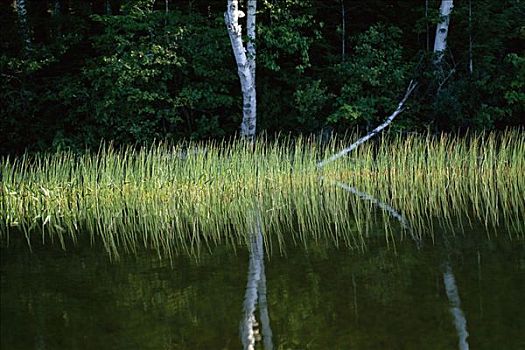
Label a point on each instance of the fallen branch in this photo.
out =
(399, 110)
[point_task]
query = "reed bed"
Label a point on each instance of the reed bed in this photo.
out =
(172, 197)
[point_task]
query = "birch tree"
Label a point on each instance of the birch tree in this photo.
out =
(427, 26)
(107, 7)
(55, 9)
(343, 30)
(245, 60)
(440, 42)
(470, 59)
(23, 23)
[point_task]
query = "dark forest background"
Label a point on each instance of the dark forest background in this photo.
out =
(137, 71)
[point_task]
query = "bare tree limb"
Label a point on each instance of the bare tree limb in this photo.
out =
(399, 110)
(444, 81)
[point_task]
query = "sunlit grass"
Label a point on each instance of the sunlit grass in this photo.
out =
(193, 195)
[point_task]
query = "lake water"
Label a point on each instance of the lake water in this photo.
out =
(451, 292)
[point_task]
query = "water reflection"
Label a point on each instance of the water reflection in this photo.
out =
(79, 299)
(449, 280)
(382, 205)
(460, 321)
(256, 294)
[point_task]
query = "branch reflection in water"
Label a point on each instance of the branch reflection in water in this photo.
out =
(382, 205)
(256, 294)
(455, 307)
(451, 288)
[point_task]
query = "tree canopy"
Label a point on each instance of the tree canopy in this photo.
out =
(74, 73)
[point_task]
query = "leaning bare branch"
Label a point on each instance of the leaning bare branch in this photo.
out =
(450, 74)
(399, 110)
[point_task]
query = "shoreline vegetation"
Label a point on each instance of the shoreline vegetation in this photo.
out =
(179, 197)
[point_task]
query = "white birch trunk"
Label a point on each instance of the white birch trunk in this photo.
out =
(426, 21)
(470, 59)
(107, 8)
(440, 42)
(56, 8)
(245, 62)
(251, 27)
(251, 122)
(343, 29)
(23, 22)
(166, 12)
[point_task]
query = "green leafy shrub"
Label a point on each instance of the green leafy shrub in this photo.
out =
(372, 79)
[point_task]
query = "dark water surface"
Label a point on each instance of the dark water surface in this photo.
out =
(318, 297)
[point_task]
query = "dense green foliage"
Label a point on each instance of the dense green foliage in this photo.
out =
(132, 71)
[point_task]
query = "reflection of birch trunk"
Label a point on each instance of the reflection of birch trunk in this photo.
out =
(263, 311)
(460, 322)
(256, 292)
(23, 23)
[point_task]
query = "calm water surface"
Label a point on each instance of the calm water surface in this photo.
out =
(452, 292)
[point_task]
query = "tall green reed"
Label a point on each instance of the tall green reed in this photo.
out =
(189, 196)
